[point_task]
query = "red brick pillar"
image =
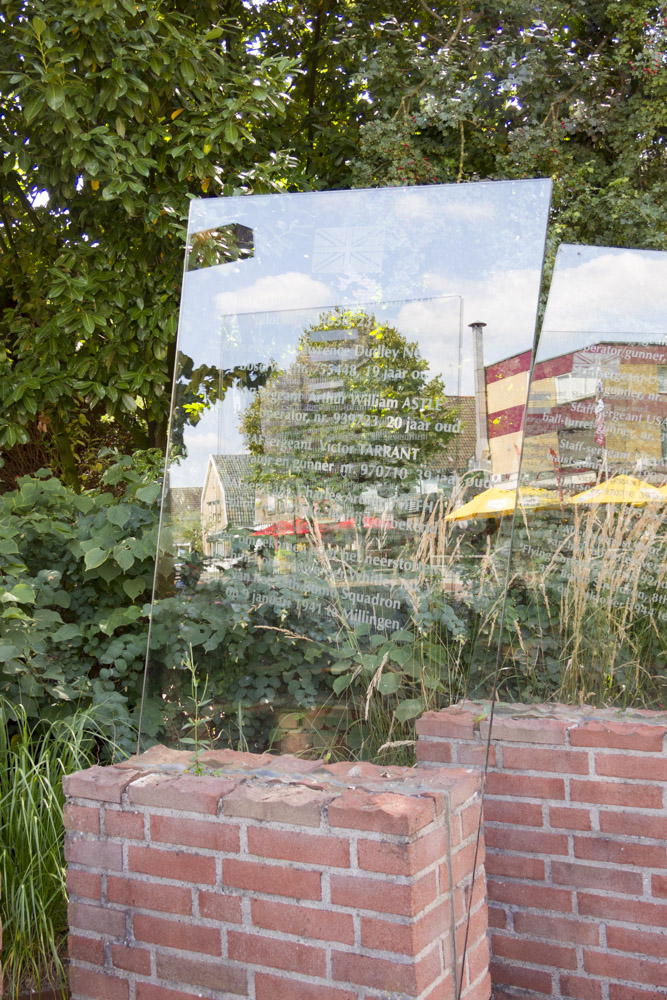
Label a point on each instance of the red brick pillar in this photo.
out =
(575, 821)
(272, 878)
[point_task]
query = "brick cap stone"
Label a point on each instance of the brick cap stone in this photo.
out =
(103, 784)
(280, 789)
(384, 812)
(189, 792)
(160, 758)
(551, 724)
(277, 803)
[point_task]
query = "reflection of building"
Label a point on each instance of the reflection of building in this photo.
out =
(460, 448)
(607, 402)
(227, 502)
(182, 506)
(506, 394)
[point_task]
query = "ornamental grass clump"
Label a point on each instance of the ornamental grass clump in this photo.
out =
(33, 759)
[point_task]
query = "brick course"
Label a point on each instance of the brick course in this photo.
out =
(575, 821)
(273, 878)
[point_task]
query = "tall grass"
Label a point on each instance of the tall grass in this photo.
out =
(589, 618)
(33, 908)
(609, 621)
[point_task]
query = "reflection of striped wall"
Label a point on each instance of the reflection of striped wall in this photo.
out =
(506, 394)
(642, 367)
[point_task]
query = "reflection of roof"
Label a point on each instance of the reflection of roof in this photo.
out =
(181, 500)
(233, 471)
(460, 448)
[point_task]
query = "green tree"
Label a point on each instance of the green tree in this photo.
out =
(112, 115)
(417, 92)
(118, 112)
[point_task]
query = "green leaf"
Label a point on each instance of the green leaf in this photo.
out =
(342, 682)
(389, 683)
(32, 108)
(123, 556)
(133, 588)
(60, 692)
(213, 33)
(339, 666)
(88, 322)
(23, 593)
(84, 504)
(148, 494)
(231, 132)
(66, 632)
(401, 635)
(95, 557)
(409, 709)
(38, 25)
(7, 651)
(401, 656)
(119, 617)
(119, 515)
(55, 95)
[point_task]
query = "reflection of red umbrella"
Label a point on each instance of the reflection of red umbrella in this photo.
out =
(303, 527)
(339, 525)
(297, 526)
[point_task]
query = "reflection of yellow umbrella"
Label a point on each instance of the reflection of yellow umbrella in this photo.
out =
(621, 489)
(496, 502)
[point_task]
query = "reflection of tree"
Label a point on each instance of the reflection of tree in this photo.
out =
(348, 404)
(197, 389)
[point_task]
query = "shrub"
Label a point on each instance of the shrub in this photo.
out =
(76, 572)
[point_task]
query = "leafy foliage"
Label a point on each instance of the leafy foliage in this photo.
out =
(113, 115)
(76, 571)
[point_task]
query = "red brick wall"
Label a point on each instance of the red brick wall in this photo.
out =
(273, 879)
(575, 822)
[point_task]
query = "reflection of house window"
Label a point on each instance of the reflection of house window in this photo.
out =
(571, 386)
(214, 512)
(271, 504)
(663, 438)
(662, 378)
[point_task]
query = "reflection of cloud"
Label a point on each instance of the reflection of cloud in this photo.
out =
(435, 325)
(289, 290)
(417, 204)
(199, 443)
(506, 300)
(605, 291)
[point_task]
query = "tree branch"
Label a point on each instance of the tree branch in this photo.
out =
(439, 17)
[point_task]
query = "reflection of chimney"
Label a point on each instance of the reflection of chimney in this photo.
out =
(481, 414)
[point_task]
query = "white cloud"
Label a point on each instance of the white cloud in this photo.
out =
(289, 290)
(599, 292)
(418, 204)
(505, 300)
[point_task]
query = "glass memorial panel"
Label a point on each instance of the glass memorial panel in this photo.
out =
(587, 604)
(332, 413)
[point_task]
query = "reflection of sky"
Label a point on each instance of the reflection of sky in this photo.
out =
(477, 247)
(216, 433)
(482, 241)
(604, 293)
